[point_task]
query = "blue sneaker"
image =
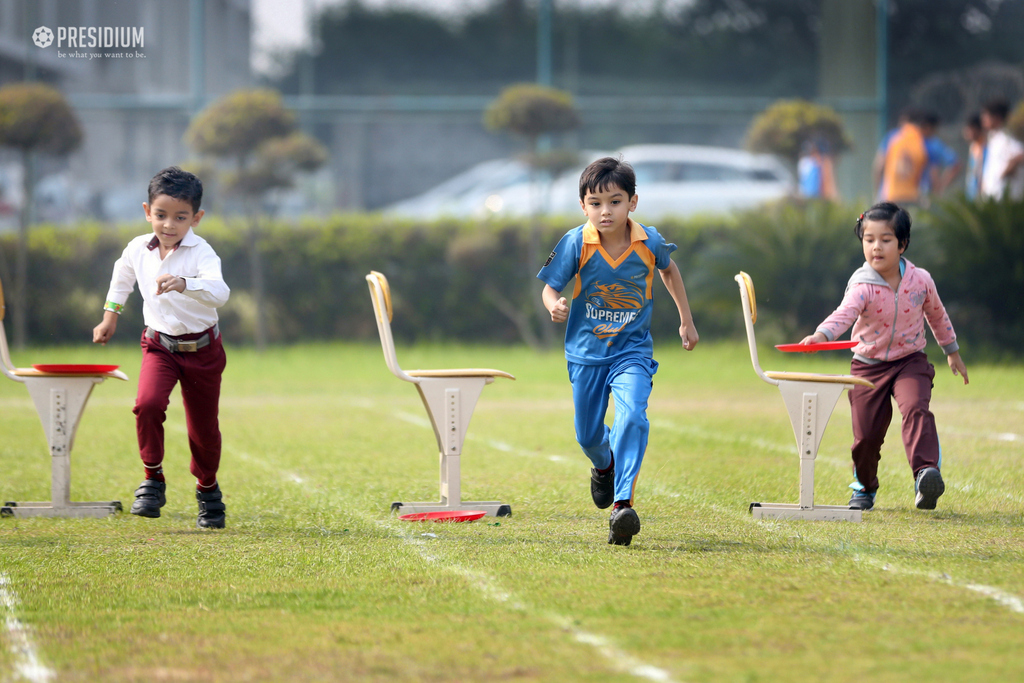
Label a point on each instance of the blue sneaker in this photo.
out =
(929, 486)
(862, 500)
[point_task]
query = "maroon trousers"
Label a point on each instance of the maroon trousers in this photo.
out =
(909, 381)
(199, 373)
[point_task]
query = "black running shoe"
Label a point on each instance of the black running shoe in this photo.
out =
(929, 486)
(211, 509)
(602, 488)
(149, 498)
(623, 525)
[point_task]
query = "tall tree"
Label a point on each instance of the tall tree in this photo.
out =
(532, 112)
(34, 118)
(256, 136)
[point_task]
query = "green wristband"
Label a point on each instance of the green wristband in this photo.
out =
(112, 306)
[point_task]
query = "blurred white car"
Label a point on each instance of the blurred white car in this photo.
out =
(461, 194)
(672, 180)
(683, 180)
(500, 187)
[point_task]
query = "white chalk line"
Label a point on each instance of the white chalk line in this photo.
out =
(502, 446)
(487, 586)
(1008, 600)
(26, 662)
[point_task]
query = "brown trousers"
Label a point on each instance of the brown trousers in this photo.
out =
(199, 373)
(909, 381)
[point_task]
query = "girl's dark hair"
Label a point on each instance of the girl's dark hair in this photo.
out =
(174, 182)
(598, 176)
(887, 212)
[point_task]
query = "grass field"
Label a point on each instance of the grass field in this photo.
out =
(314, 580)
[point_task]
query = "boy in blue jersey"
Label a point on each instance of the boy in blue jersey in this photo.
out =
(608, 341)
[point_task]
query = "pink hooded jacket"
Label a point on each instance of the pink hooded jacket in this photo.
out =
(890, 324)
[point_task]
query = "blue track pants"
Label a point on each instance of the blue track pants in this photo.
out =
(629, 382)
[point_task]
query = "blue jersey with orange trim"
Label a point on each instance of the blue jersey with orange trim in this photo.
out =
(610, 314)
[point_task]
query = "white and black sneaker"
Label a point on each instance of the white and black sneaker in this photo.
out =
(929, 486)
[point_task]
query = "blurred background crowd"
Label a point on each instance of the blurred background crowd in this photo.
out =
(437, 117)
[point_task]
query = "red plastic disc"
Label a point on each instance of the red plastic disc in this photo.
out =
(821, 346)
(75, 369)
(444, 516)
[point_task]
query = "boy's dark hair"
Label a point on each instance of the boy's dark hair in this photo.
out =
(174, 182)
(606, 172)
(974, 121)
(998, 108)
(913, 115)
(887, 212)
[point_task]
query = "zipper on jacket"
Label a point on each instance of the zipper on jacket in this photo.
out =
(896, 304)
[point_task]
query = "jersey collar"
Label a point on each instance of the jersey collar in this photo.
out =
(636, 232)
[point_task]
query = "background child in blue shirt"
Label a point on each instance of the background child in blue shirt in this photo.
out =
(608, 337)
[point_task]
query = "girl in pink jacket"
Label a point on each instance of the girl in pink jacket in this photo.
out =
(887, 301)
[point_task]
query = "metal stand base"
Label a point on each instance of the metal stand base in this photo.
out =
(809, 405)
(492, 508)
(822, 513)
(71, 509)
(60, 402)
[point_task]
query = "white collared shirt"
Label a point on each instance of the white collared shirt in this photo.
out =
(999, 150)
(173, 313)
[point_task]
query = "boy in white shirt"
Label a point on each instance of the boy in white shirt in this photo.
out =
(1001, 174)
(179, 277)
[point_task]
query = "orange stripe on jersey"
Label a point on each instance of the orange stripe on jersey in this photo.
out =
(588, 250)
(647, 256)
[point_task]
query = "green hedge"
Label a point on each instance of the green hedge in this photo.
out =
(461, 280)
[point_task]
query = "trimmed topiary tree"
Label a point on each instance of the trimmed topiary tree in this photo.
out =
(34, 118)
(532, 111)
(784, 127)
(256, 136)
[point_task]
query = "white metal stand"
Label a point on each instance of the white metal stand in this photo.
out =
(454, 399)
(810, 399)
(810, 406)
(60, 400)
(450, 396)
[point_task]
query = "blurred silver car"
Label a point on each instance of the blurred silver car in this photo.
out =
(684, 180)
(672, 180)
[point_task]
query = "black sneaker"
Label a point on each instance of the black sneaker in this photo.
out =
(929, 486)
(149, 498)
(211, 509)
(602, 488)
(862, 500)
(623, 525)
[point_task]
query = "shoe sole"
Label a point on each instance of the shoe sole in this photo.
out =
(929, 487)
(145, 511)
(623, 528)
(211, 525)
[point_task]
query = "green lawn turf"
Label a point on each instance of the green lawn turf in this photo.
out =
(313, 580)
